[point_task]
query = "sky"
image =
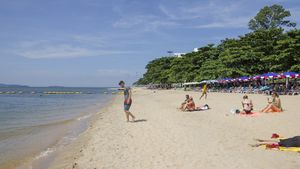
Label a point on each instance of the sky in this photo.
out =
(97, 43)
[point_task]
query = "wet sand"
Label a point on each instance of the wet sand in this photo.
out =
(164, 137)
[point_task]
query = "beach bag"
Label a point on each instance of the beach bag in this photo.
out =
(235, 111)
(205, 107)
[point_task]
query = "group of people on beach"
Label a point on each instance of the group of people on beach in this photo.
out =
(273, 106)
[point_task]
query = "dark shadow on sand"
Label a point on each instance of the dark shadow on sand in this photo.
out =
(140, 120)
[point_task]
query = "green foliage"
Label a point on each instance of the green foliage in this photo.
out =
(266, 49)
(271, 17)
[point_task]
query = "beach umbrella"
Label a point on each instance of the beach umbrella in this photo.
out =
(228, 80)
(212, 81)
(289, 75)
(221, 80)
(270, 76)
(256, 77)
(243, 79)
(204, 81)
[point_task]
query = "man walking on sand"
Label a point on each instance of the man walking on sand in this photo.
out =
(127, 100)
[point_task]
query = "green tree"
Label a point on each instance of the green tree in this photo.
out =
(287, 57)
(268, 48)
(271, 17)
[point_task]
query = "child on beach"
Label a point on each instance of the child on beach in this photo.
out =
(274, 105)
(127, 100)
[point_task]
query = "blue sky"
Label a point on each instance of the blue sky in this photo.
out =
(99, 42)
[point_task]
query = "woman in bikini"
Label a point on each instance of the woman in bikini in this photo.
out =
(183, 104)
(190, 106)
(247, 105)
(274, 105)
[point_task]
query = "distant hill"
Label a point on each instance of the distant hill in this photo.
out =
(12, 85)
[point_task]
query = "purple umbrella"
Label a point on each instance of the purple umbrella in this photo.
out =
(256, 77)
(270, 76)
(243, 78)
(228, 79)
(289, 75)
(225, 80)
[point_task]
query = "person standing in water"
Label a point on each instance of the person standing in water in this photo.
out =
(127, 100)
(204, 91)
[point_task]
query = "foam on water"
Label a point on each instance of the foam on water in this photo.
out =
(45, 153)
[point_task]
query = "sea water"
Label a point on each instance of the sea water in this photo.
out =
(34, 123)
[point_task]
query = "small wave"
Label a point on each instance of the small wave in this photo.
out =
(110, 89)
(45, 153)
(15, 131)
(83, 117)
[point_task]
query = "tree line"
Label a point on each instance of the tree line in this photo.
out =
(268, 47)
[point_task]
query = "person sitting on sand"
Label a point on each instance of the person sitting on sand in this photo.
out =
(289, 142)
(190, 106)
(185, 102)
(247, 104)
(274, 105)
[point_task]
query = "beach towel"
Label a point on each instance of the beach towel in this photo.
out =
(252, 114)
(238, 112)
(205, 107)
(294, 141)
(280, 148)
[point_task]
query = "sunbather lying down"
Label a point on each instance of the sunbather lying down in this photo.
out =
(200, 108)
(281, 144)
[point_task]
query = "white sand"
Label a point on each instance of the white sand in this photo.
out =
(168, 138)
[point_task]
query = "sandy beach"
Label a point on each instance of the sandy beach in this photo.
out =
(164, 137)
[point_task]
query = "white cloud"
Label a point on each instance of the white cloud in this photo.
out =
(146, 22)
(197, 14)
(58, 51)
(240, 22)
(66, 51)
(74, 46)
(208, 15)
(95, 40)
(115, 73)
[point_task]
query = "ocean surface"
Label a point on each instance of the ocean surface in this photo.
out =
(36, 121)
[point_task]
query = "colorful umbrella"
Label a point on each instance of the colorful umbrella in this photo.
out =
(289, 75)
(243, 78)
(256, 77)
(270, 76)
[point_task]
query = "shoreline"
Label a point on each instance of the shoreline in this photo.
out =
(164, 137)
(72, 151)
(50, 139)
